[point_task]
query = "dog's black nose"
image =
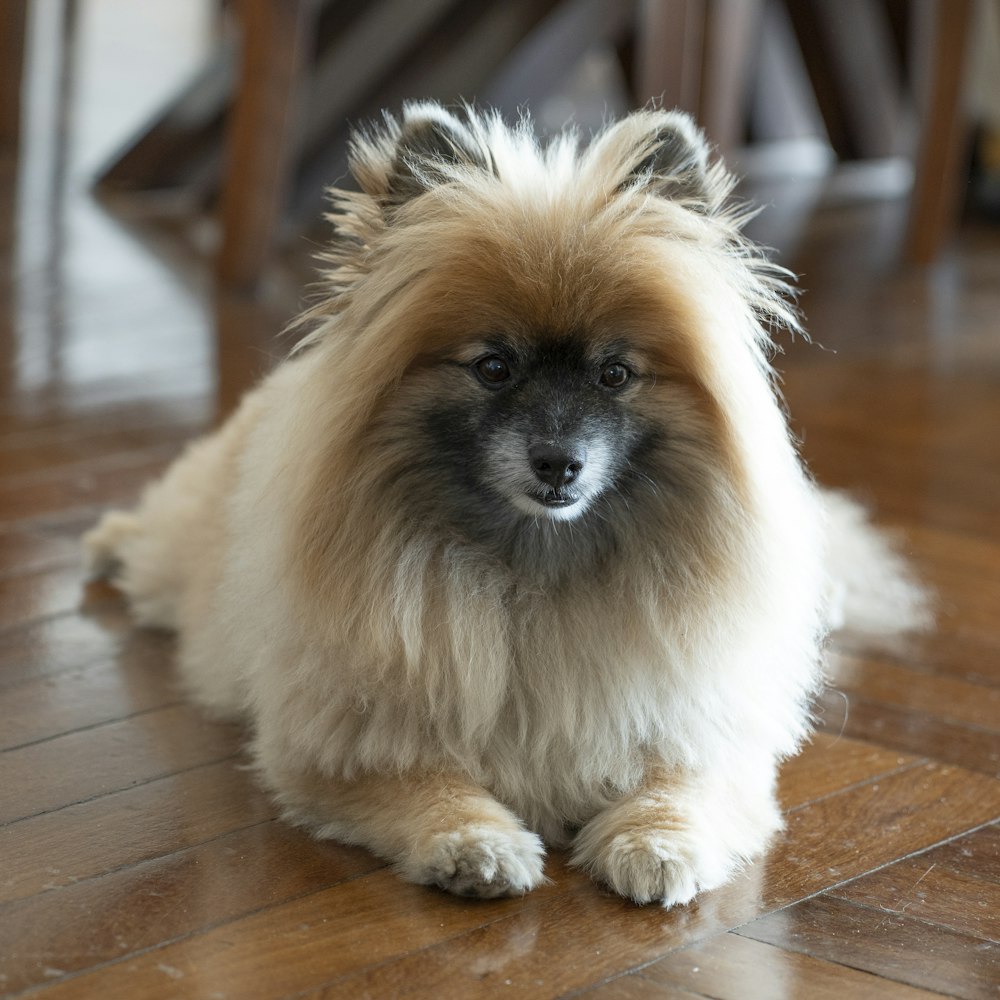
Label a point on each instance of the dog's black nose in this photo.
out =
(553, 466)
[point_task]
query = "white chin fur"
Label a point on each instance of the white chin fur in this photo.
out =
(526, 505)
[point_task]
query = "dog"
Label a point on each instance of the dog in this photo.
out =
(516, 548)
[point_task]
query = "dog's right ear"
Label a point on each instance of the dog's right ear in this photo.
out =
(401, 161)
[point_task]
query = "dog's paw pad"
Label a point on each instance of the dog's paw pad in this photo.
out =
(479, 861)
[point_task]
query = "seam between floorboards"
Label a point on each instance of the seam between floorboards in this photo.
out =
(881, 776)
(907, 915)
(176, 703)
(122, 790)
(7, 903)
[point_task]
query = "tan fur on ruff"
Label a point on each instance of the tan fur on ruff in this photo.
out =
(413, 691)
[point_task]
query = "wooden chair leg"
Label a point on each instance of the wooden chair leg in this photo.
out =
(668, 57)
(731, 34)
(13, 37)
(260, 136)
(944, 135)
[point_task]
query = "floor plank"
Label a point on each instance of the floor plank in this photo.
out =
(58, 643)
(637, 988)
(829, 764)
(127, 827)
(887, 683)
(109, 757)
(172, 896)
(732, 967)
(118, 483)
(932, 887)
(23, 550)
(898, 947)
(911, 731)
(48, 707)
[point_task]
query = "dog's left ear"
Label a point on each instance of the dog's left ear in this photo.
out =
(428, 148)
(667, 152)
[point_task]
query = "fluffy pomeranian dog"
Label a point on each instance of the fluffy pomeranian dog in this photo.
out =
(516, 547)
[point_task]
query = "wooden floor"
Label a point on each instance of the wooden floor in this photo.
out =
(137, 859)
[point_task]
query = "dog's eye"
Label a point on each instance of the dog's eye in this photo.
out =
(493, 369)
(615, 375)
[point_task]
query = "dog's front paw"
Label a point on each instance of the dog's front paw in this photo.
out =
(478, 861)
(649, 865)
(660, 844)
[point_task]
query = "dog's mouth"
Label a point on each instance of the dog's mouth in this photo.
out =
(555, 499)
(551, 504)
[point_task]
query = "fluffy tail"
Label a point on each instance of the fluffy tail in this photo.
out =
(872, 587)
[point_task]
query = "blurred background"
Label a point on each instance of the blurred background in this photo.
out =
(221, 123)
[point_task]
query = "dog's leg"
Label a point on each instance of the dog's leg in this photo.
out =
(437, 828)
(677, 835)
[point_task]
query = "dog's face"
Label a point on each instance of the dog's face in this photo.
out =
(542, 339)
(539, 428)
(529, 434)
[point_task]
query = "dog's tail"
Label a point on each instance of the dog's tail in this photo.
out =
(872, 587)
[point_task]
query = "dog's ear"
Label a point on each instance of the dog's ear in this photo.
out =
(432, 141)
(428, 148)
(667, 152)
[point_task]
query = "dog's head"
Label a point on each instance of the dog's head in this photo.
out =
(522, 335)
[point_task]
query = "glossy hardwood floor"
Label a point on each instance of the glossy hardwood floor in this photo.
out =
(137, 858)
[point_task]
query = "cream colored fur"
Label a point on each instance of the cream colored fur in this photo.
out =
(409, 691)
